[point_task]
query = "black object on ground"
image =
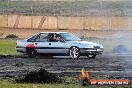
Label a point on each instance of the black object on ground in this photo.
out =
(41, 76)
(11, 36)
(120, 49)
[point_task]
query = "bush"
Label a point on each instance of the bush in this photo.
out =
(11, 36)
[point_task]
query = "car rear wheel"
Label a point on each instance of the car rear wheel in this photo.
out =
(32, 53)
(74, 52)
(91, 56)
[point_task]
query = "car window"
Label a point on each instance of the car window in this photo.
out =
(42, 37)
(70, 37)
(32, 39)
(54, 37)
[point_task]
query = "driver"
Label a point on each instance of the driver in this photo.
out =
(58, 38)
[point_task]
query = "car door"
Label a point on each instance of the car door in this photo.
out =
(56, 47)
(41, 42)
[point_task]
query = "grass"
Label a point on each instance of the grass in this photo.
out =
(11, 85)
(7, 47)
(24, 85)
(6, 84)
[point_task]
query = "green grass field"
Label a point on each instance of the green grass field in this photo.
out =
(7, 46)
(63, 85)
(14, 85)
(7, 84)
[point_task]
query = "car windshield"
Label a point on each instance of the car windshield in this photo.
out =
(70, 37)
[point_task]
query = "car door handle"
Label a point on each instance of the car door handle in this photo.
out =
(36, 43)
(49, 43)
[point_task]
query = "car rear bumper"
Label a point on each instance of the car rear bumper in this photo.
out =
(22, 50)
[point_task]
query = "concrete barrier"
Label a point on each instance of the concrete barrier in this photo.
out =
(119, 23)
(3, 20)
(44, 22)
(49, 23)
(13, 21)
(70, 23)
(75, 23)
(36, 21)
(24, 22)
(95, 23)
(129, 23)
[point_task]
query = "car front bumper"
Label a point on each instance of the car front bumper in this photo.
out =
(92, 51)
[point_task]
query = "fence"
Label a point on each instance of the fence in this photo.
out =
(66, 7)
(66, 23)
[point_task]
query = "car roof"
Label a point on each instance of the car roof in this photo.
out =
(53, 32)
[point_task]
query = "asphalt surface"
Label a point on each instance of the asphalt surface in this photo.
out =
(118, 65)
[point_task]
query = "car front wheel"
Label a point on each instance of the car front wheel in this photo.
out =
(74, 52)
(32, 53)
(91, 56)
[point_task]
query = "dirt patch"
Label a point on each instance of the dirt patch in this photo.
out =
(116, 65)
(40, 76)
(12, 56)
(25, 33)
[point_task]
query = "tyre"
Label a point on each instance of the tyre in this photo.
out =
(74, 52)
(91, 56)
(32, 53)
(85, 82)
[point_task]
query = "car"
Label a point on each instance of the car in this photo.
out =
(58, 43)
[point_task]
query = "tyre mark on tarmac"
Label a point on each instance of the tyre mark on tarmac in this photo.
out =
(105, 64)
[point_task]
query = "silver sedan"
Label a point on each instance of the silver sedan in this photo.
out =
(58, 43)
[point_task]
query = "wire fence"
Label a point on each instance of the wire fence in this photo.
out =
(66, 8)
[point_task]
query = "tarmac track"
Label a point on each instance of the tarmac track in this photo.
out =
(118, 65)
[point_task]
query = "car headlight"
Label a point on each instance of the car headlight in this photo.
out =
(101, 46)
